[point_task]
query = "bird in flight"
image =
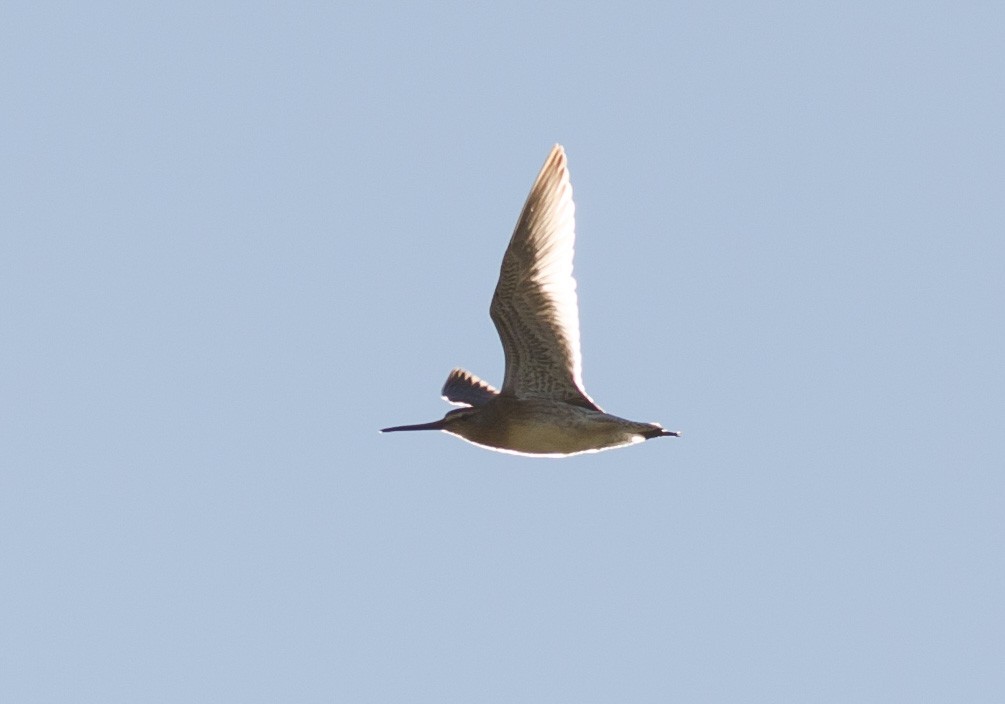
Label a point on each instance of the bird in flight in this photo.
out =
(541, 409)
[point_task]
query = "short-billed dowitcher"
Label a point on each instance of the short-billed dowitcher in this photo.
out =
(541, 409)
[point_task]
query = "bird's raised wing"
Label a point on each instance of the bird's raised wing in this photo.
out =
(534, 307)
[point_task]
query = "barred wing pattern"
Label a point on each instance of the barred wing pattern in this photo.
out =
(534, 307)
(463, 388)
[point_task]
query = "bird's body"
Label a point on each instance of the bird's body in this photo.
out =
(541, 409)
(534, 426)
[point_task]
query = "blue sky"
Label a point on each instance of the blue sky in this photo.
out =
(237, 240)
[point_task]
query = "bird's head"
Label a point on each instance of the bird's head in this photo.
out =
(456, 418)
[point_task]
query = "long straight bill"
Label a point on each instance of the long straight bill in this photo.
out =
(435, 425)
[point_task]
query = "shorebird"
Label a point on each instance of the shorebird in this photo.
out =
(541, 409)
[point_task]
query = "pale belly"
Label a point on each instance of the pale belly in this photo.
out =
(547, 440)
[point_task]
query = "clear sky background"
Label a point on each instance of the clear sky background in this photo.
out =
(237, 239)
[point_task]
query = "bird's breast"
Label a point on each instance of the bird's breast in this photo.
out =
(548, 428)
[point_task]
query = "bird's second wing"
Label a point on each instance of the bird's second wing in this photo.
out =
(534, 307)
(465, 389)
